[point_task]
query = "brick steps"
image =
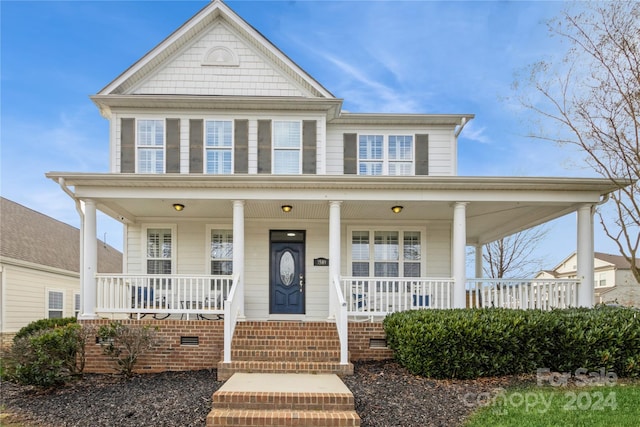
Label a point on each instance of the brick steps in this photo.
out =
(226, 370)
(284, 347)
(306, 355)
(283, 400)
(244, 418)
(259, 400)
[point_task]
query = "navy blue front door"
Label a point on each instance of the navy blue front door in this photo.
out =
(287, 275)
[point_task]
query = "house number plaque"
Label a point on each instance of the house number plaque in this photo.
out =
(321, 262)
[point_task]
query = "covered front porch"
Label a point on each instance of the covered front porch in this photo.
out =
(343, 218)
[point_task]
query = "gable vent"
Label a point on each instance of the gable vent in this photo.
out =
(189, 341)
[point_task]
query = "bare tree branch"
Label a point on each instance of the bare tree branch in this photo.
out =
(591, 100)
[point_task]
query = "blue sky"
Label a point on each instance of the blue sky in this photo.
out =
(379, 56)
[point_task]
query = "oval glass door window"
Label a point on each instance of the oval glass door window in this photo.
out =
(287, 268)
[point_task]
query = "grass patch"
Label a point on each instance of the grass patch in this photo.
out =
(615, 406)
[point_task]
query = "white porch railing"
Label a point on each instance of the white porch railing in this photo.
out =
(232, 309)
(522, 293)
(340, 315)
(162, 294)
(377, 296)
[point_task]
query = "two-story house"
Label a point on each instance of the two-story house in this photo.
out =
(247, 192)
(613, 280)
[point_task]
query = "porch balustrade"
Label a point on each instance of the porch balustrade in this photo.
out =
(162, 294)
(522, 293)
(376, 296)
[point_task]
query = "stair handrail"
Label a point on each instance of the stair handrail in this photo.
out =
(339, 305)
(231, 311)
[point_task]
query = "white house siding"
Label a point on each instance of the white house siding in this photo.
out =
(441, 140)
(438, 250)
(185, 74)
(25, 290)
(191, 253)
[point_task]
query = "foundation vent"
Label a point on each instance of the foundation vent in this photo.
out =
(377, 343)
(189, 341)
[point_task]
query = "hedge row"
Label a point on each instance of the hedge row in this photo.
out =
(473, 343)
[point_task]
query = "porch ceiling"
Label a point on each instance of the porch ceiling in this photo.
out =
(496, 207)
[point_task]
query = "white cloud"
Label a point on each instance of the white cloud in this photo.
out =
(474, 133)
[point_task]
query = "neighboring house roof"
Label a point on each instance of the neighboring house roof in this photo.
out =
(30, 236)
(618, 261)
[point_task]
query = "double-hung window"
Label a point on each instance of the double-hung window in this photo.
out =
(159, 251)
(218, 146)
(287, 147)
(385, 155)
(55, 304)
(150, 146)
(221, 252)
(393, 253)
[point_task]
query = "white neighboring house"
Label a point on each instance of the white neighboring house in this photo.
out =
(39, 267)
(246, 191)
(613, 279)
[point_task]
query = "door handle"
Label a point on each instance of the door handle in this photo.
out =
(301, 277)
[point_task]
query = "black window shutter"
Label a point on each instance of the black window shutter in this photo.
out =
(422, 154)
(241, 146)
(173, 146)
(309, 147)
(264, 146)
(350, 153)
(127, 145)
(196, 134)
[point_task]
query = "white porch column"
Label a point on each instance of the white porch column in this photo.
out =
(238, 250)
(334, 248)
(89, 261)
(478, 254)
(459, 254)
(585, 255)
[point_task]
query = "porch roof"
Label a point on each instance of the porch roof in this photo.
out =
(498, 206)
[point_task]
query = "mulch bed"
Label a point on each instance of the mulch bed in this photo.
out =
(385, 395)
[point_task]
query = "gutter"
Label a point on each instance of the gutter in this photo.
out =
(463, 122)
(70, 193)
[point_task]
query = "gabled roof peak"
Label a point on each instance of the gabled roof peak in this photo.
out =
(213, 14)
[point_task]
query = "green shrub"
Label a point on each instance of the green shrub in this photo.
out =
(471, 343)
(47, 357)
(125, 344)
(43, 324)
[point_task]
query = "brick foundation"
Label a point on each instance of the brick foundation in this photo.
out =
(360, 336)
(6, 340)
(171, 355)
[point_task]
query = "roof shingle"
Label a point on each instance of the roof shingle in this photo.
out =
(33, 237)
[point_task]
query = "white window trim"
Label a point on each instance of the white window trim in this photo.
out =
(174, 246)
(372, 229)
(164, 144)
(207, 249)
(274, 149)
(46, 301)
(77, 295)
(385, 151)
(205, 148)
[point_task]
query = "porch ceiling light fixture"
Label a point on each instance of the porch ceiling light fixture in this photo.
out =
(178, 206)
(397, 209)
(286, 208)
